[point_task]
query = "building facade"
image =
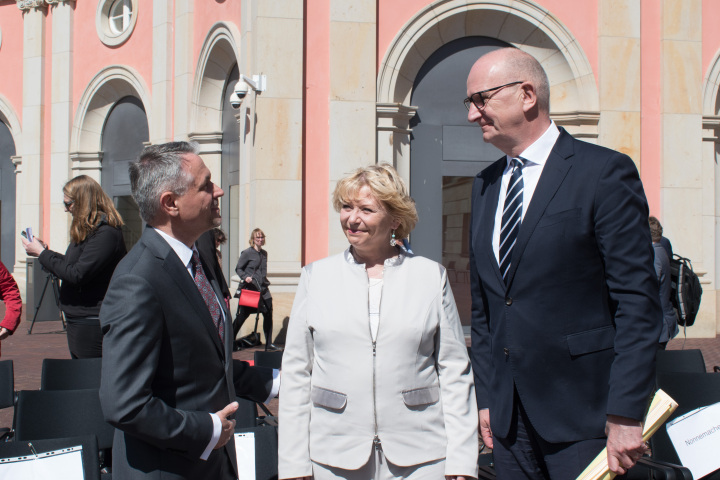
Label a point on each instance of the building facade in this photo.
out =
(335, 84)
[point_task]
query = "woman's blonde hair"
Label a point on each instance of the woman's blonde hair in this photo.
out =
(252, 235)
(389, 190)
(91, 206)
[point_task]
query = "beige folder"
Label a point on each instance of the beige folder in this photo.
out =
(660, 409)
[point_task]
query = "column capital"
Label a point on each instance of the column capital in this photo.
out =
(55, 2)
(28, 4)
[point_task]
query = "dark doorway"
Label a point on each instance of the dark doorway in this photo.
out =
(446, 153)
(230, 181)
(124, 135)
(7, 198)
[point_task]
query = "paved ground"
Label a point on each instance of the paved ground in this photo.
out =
(48, 340)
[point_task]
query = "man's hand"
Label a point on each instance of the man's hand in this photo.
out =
(228, 426)
(625, 444)
(485, 430)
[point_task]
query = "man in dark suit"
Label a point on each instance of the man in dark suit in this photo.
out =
(565, 312)
(168, 382)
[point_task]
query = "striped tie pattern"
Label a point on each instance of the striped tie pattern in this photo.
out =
(512, 216)
(208, 294)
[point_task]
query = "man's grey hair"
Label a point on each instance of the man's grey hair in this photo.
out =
(158, 170)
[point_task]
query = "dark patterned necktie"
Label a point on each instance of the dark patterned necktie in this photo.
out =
(511, 217)
(208, 294)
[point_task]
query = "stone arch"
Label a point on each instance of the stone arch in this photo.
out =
(10, 118)
(518, 22)
(217, 57)
(521, 23)
(107, 87)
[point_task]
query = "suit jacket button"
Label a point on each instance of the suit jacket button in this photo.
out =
(507, 351)
(508, 301)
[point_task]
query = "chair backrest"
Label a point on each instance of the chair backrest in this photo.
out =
(690, 391)
(266, 451)
(42, 414)
(91, 465)
(68, 374)
(268, 359)
(679, 361)
(7, 384)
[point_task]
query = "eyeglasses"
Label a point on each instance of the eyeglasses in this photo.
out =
(480, 99)
(68, 204)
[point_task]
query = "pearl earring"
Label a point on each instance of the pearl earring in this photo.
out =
(393, 242)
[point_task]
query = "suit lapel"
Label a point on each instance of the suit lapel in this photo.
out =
(554, 173)
(184, 283)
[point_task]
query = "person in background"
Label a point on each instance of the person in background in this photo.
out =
(376, 378)
(662, 269)
(10, 295)
(252, 270)
(85, 269)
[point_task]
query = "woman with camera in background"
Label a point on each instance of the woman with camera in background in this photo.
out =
(95, 249)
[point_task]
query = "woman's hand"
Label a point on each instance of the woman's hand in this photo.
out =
(4, 332)
(33, 248)
(248, 279)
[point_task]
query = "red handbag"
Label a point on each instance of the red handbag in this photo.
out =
(249, 298)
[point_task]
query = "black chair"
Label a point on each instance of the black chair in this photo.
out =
(266, 451)
(268, 359)
(667, 361)
(91, 466)
(7, 392)
(45, 414)
(67, 374)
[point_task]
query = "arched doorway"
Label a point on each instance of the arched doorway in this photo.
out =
(447, 152)
(7, 197)
(124, 134)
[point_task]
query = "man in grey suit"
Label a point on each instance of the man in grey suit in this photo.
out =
(168, 381)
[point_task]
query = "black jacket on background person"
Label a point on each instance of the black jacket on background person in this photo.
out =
(86, 269)
(254, 264)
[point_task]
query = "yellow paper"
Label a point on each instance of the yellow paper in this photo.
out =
(660, 409)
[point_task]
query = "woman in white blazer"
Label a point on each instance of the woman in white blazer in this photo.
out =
(376, 379)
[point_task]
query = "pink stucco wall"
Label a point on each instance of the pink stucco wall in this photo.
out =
(91, 55)
(316, 129)
(581, 22)
(710, 35)
(11, 52)
(227, 11)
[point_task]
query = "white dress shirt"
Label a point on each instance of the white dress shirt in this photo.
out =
(535, 157)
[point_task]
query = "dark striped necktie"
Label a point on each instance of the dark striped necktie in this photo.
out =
(512, 216)
(208, 294)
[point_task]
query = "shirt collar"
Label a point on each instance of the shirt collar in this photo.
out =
(539, 151)
(182, 250)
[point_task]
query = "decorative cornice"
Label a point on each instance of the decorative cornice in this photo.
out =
(394, 117)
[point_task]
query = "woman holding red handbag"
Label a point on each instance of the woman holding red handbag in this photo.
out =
(252, 270)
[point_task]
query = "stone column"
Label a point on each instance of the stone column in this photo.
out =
(30, 196)
(162, 71)
(353, 66)
(688, 193)
(184, 69)
(61, 114)
(619, 76)
(270, 173)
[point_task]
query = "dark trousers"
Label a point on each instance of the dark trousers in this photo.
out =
(244, 312)
(84, 338)
(525, 455)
